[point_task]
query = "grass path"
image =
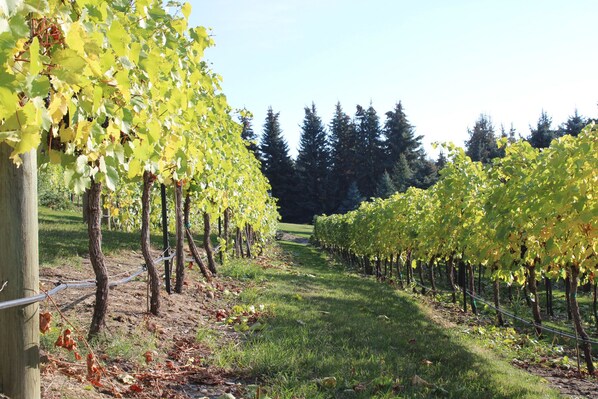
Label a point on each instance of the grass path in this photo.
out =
(375, 342)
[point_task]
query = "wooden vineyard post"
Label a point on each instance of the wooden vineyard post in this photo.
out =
(19, 275)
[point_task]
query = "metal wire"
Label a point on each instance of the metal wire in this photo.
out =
(75, 284)
(515, 317)
(167, 254)
(531, 323)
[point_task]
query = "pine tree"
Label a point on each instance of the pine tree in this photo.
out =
(371, 153)
(400, 137)
(510, 135)
(385, 187)
(402, 174)
(542, 135)
(441, 161)
(351, 200)
(574, 125)
(425, 173)
(312, 166)
(248, 134)
(343, 151)
(481, 145)
(278, 167)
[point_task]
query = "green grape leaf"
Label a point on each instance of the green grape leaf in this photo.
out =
(37, 86)
(111, 177)
(70, 66)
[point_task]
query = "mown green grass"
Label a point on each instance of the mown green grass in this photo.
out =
(375, 341)
(63, 238)
(300, 230)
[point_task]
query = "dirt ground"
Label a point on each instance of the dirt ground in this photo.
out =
(173, 366)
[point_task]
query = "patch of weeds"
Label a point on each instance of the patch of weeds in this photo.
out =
(207, 337)
(244, 270)
(128, 346)
(244, 318)
(49, 341)
(228, 354)
(250, 295)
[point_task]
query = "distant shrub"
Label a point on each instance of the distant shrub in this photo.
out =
(52, 192)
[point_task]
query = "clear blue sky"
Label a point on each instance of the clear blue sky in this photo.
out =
(447, 61)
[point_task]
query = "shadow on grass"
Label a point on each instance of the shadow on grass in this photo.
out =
(372, 339)
(63, 235)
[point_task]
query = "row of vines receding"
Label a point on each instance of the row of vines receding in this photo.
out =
(118, 94)
(527, 216)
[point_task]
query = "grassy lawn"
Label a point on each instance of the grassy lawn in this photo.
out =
(300, 230)
(63, 238)
(329, 334)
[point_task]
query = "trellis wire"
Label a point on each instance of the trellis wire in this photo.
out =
(84, 283)
(515, 317)
(76, 285)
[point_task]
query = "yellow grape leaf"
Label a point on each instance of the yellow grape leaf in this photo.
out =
(134, 168)
(83, 130)
(117, 36)
(58, 107)
(179, 25)
(74, 37)
(8, 102)
(113, 131)
(35, 65)
(154, 130)
(94, 65)
(69, 67)
(124, 85)
(30, 139)
(186, 10)
(97, 97)
(134, 52)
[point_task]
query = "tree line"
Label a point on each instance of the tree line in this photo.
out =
(338, 166)
(359, 157)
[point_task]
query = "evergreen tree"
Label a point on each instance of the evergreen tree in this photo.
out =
(441, 161)
(371, 153)
(510, 135)
(402, 174)
(400, 137)
(425, 173)
(278, 166)
(385, 187)
(312, 166)
(248, 134)
(351, 200)
(542, 135)
(481, 145)
(574, 125)
(343, 151)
